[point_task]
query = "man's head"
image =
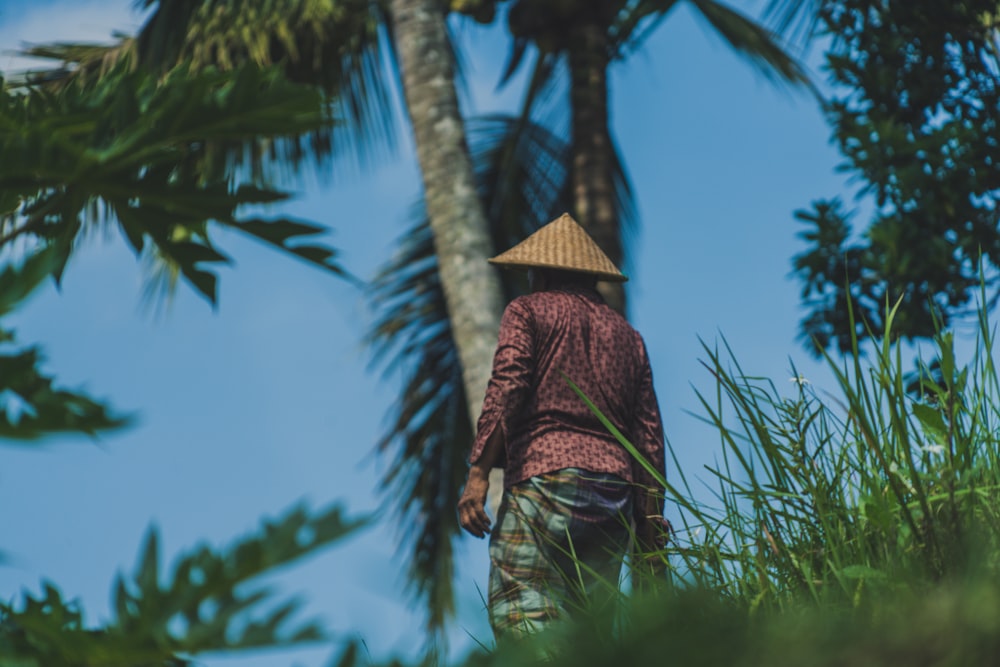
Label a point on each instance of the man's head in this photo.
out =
(541, 279)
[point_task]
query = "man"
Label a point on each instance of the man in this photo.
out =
(571, 489)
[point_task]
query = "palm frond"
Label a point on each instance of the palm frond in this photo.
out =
(80, 63)
(759, 46)
(634, 23)
(797, 19)
(430, 430)
(337, 46)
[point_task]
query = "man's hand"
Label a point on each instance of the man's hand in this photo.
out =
(472, 504)
(653, 532)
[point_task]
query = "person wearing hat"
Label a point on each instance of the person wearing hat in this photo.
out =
(572, 493)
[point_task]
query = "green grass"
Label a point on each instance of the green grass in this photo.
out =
(856, 528)
(892, 484)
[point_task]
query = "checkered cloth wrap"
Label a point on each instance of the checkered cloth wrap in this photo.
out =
(543, 522)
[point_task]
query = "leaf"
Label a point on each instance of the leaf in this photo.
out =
(202, 606)
(16, 283)
(187, 255)
(148, 576)
(30, 406)
(932, 421)
(160, 157)
(862, 572)
(754, 42)
(286, 234)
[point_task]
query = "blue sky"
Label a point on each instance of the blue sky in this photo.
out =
(244, 411)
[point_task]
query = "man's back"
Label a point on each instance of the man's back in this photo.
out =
(548, 427)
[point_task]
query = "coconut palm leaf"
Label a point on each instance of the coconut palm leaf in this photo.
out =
(78, 62)
(755, 43)
(522, 172)
(425, 467)
(635, 20)
(797, 19)
(634, 23)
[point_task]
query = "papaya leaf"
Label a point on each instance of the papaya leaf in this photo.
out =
(284, 235)
(208, 602)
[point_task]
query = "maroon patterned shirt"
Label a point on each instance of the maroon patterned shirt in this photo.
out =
(546, 426)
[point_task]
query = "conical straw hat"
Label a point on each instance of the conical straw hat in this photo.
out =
(561, 244)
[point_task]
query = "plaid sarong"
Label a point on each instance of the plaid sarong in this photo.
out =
(557, 548)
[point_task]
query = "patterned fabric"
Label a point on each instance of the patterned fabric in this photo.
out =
(557, 548)
(545, 425)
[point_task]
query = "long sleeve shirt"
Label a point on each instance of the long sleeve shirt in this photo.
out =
(545, 425)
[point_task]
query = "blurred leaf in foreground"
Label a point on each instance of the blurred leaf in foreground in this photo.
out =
(208, 602)
(30, 405)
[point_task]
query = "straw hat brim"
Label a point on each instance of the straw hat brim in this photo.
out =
(563, 245)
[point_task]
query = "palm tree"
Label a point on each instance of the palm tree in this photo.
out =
(462, 242)
(339, 46)
(579, 41)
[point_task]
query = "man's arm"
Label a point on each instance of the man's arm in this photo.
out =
(510, 380)
(508, 389)
(472, 505)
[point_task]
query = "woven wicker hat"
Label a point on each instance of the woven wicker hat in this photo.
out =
(561, 244)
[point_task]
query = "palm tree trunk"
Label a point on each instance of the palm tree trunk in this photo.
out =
(593, 186)
(461, 234)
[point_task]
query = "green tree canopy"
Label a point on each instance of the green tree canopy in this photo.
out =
(915, 114)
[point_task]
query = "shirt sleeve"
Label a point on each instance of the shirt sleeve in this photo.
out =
(647, 428)
(511, 380)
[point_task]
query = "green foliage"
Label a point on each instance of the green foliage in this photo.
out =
(209, 601)
(139, 152)
(158, 157)
(846, 502)
(915, 114)
(953, 625)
